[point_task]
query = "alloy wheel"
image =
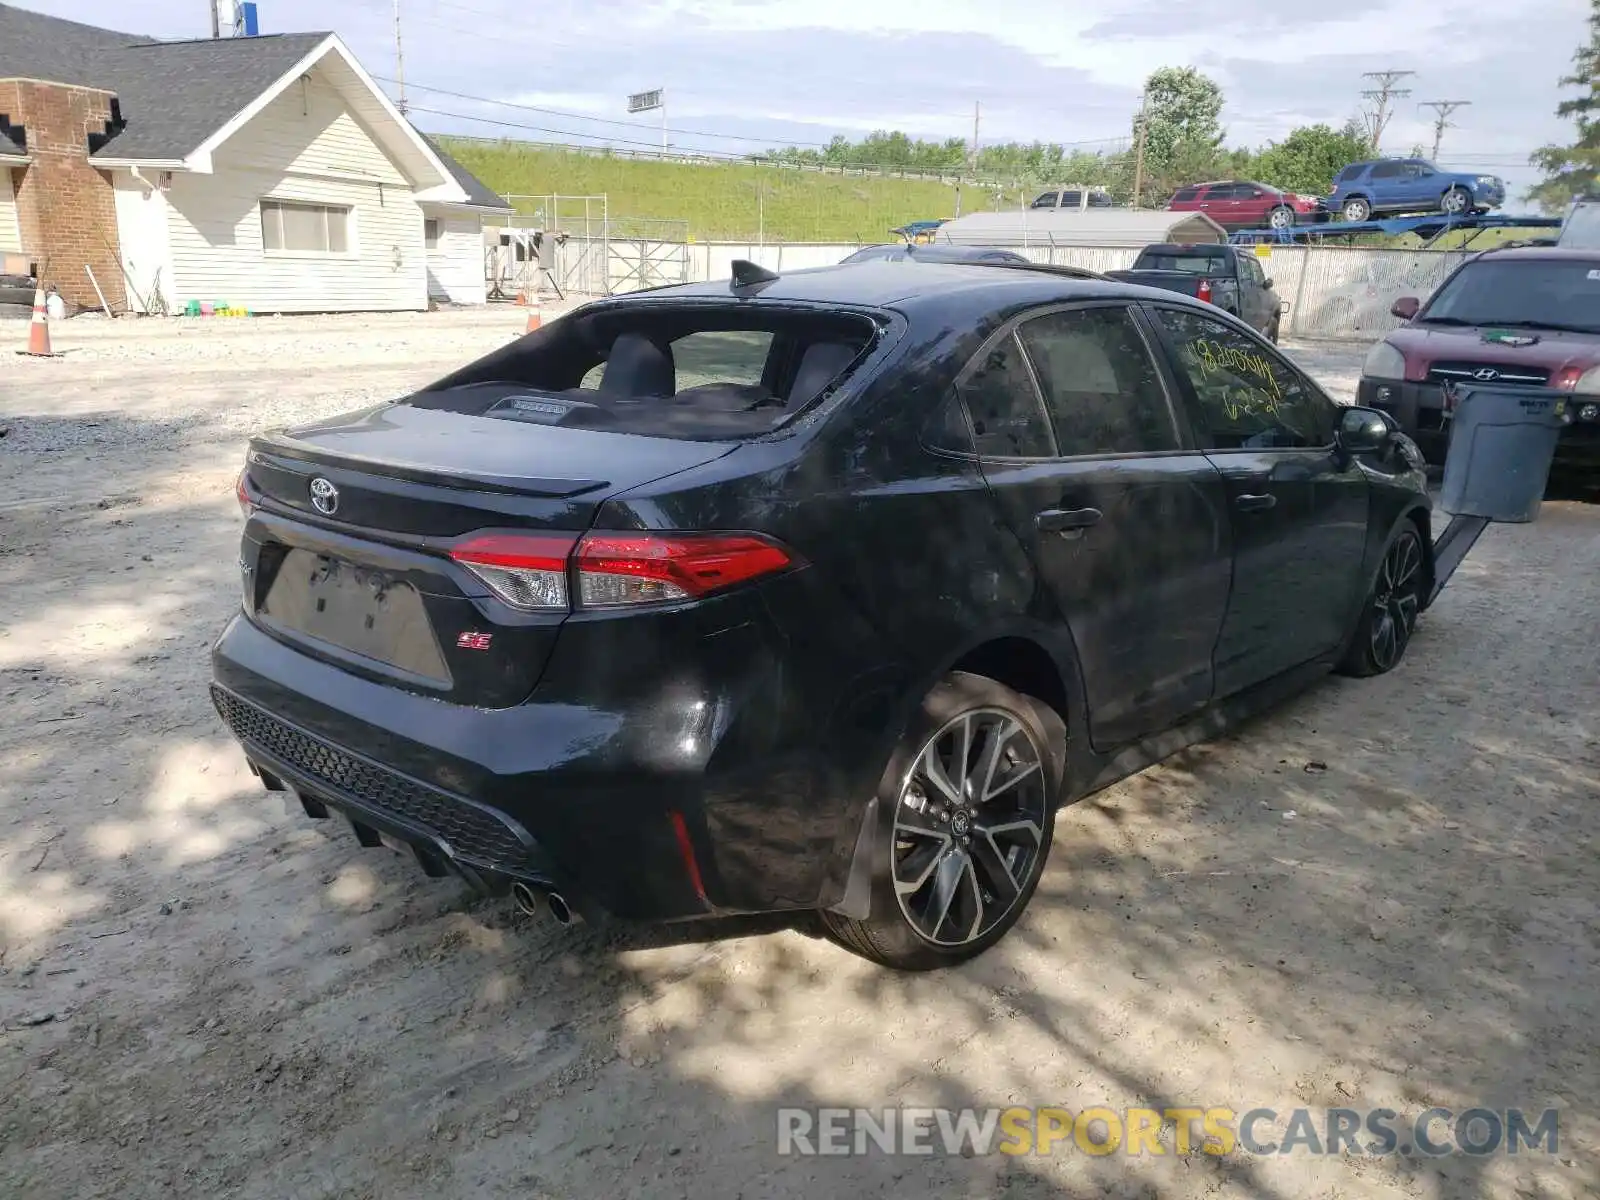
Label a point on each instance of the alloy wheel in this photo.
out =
(969, 826)
(1455, 202)
(1396, 600)
(1280, 218)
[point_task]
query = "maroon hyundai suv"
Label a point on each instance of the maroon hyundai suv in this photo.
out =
(1522, 317)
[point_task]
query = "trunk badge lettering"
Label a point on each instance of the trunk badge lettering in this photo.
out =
(472, 640)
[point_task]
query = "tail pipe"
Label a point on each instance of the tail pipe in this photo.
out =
(540, 902)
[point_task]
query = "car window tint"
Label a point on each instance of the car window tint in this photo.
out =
(1007, 418)
(1045, 200)
(1249, 397)
(1386, 170)
(948, 430)
(1185, 195)
(1100, 384)
(1252, 270)
(1349, 173)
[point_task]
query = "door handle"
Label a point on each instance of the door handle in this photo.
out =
(1250, 503)
(1065, 520)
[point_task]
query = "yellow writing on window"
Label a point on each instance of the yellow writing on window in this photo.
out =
(1214, 357)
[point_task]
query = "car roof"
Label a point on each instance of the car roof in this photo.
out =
(880, 283)
(1542, 253)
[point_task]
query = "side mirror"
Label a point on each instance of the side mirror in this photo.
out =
(1268, 283)
(1405, 308)
(1364, 429)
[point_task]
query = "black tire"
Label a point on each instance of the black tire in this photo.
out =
(1460, 198)
(1281, 217)
(1389, 612)
(1356, 209)
(978, 849)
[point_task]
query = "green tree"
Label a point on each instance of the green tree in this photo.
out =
(1570, 171)
(1181, 122)
(1308, 159)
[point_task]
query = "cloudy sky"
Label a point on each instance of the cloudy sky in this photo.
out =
(757, 73)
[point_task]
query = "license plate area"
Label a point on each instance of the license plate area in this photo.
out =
(355, 609)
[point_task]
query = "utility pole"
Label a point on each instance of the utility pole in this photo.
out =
(1138, 155)
(972, 154)
(1442, 121)
(399, 60)
(216, 19)
(1383, 92)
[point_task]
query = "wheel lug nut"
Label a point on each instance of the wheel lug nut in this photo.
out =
(943, 816)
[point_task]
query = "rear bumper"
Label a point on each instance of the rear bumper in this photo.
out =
(677, 797)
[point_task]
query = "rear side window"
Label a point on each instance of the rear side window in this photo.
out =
(1388, 170)
(1185, 195)
(1099, 382)
(1007, 419)
(1351, 173)
(1045, 200)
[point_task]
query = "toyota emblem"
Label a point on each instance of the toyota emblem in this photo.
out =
(1485, 374)
(324, 496)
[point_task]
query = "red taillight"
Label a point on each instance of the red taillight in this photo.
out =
(1203, 292)
(531, 571)
(625, 568)
(241, 493)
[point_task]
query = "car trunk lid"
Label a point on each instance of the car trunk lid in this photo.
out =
(346, 553)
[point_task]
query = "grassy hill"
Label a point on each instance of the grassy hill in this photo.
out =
(720, 201)
(726, 201)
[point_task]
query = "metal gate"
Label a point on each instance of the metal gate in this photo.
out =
(637, 263)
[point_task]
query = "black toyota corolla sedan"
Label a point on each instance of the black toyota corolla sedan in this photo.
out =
(819, 592)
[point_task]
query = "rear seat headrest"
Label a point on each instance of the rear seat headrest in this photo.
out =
(637, 366)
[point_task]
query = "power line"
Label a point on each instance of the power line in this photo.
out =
(640, 125)
(1378, 119)
(1443, 109)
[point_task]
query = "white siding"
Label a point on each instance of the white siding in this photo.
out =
(455, 265)
(304, 146)
(10, 234)
(142, 238)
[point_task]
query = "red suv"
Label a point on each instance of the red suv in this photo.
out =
(1239, 204)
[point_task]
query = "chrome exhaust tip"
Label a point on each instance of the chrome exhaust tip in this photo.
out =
(526, 899)
(561, 910)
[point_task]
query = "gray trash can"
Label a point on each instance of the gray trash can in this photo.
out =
(1502, 440)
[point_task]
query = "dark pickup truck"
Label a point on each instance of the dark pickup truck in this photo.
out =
(1221, 275)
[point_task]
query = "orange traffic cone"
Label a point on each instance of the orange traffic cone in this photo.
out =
(534, 319)
(39, 329)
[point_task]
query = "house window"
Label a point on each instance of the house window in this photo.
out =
(291, 228)
(430, 232)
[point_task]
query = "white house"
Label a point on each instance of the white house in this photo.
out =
(269, 173)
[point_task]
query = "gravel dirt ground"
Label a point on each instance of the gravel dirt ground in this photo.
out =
(1382, 895)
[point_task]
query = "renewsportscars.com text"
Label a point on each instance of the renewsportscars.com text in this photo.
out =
(1099, 1131)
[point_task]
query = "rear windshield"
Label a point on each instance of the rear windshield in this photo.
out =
(1190, 262)
(1536, 292)
(694, 371)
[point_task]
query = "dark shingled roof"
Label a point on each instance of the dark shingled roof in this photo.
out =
(172, 95)
(478, 192)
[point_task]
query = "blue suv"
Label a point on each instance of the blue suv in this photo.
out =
(1391, 186)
